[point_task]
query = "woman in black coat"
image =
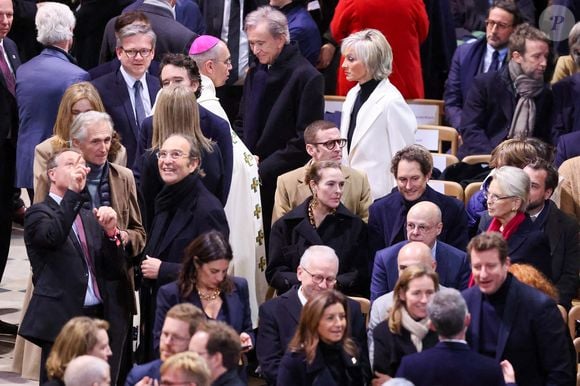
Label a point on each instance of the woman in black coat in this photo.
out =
(320, 220)
(321, 353)
(405, 330)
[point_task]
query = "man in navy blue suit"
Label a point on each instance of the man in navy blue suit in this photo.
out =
(278, 318)
(412, 167)
(423, 225)
(568, 147)
(510, 320)
(484, 55)
(129, 93)
(514, 102)
(181, 322)
(451, 362)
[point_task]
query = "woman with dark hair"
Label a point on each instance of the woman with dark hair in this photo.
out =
(204, 282)
(320, 220)
(405, 331)
(321, 353)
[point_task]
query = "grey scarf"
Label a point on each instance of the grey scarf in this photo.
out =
(525, 113)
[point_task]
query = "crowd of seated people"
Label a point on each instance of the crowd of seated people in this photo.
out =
(191, 180)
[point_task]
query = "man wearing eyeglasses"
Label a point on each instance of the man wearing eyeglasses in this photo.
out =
(278, 318)
(323, 143)
(483, 55)
(129, 92)
(514, 102)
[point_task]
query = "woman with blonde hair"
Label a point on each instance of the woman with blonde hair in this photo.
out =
(176, 112)
(321, 351)
(79, 336)
(78, 98)
(406, 331)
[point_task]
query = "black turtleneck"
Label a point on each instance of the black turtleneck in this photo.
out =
(366, 89)
(333, 359)
(492, 309)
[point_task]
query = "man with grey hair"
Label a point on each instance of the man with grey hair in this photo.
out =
(171, 35)
(278, 318)
(424, 225)
(283, 93)
(87, 370)
(451, 361)
(113, 185)
(129, 93)
(40, 84)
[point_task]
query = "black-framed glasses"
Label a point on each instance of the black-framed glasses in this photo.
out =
(330, 145)
(318, 279)
(144, 52)
(172, 154)
(494, 197)
(499, 25)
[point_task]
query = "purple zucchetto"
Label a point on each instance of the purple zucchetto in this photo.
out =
(202, 44)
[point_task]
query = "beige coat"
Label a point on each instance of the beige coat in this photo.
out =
(291, 191)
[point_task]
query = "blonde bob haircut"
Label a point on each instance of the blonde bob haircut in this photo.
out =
(176, 112)
(410, 273)
(372, 48)
(77, 337)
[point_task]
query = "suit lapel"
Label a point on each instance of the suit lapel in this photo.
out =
(507, 96)
(475, 326)
(125, 101)
(308, 232)
(234, 307)
(153, 86)
(292, 304)
(179, 221)
(442, 263)
(368, 114)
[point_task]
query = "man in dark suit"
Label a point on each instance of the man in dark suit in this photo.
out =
(562, 230)
(171, 35)
(129, 92)
(278, 318)
(181, 322)
(77, 256)
(412, 167)
(514, 102)
(566, 116)
(487, 54)
(451, 362)
(283, 94)
(9, 62)
(423, 225)
(510, 320)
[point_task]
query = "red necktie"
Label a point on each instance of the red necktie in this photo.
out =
(83, 240)
(8, 75)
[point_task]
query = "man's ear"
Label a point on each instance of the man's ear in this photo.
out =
(517, 57)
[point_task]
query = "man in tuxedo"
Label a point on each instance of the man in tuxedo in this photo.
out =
(77, 255)
(129, 93)
(486, 54)
(278, 318)
(423, 225)
(451, 362)
(323, 143)
(412, 167)
(510, 320)
(562, 230)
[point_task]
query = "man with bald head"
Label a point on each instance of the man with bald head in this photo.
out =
(423, 225)
(278, 318)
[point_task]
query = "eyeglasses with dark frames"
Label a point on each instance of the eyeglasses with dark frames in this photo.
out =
(318, 279)
(499, 25)
(144, 52)
(330, 145)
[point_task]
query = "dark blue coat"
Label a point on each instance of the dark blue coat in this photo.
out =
(303, 30)
(452, 266)
(532, 335)
(187, 13)
(278, 319)
(236, 303)
(387, 216)
(566, 116)
(115, 96)
(450, 363)
(149, 369)
(526, 245)
(465, 65)
(489, 109)
(568, 147)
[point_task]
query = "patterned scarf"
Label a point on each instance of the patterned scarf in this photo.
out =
(527, 89)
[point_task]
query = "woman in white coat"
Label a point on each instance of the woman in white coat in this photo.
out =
(376, 120)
